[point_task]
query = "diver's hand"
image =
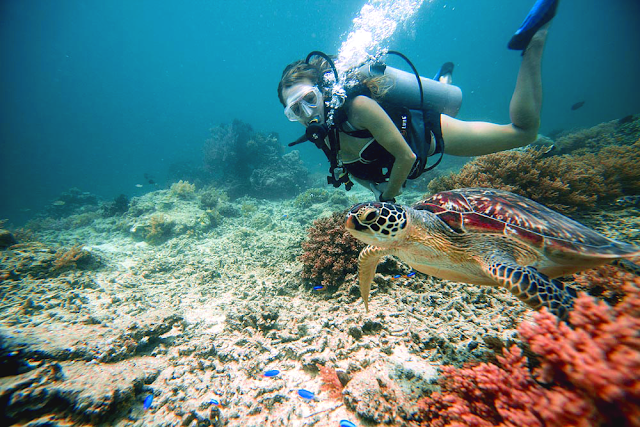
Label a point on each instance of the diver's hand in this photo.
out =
(379, 191)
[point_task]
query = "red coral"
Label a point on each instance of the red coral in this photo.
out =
(488, 395)
(600, 357)
(330, 252)
(592, 373)
(330, 382)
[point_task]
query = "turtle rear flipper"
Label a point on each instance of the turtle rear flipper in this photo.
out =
(627, 265)
(532, 287)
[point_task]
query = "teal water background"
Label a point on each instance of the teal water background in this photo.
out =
(93, 94)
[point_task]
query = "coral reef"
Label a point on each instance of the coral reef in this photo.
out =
(70, 258)
(183, 190)
(592, 140)
(564, 183)
(72, 201)
(311, 196)
(330, 252)
(245, 162)
(118, 206)
(589, 375)
(159, 229)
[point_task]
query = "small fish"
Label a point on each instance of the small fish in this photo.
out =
(319, 287)
(58, 203)
(397, 276)
(215, 402)
(547, 151)
(411, 274)
(149, 179)
(285, 216)
(272, 373)
(346, 423)
(577, 105)
(139, 185)
(147, 402)
(306, 394)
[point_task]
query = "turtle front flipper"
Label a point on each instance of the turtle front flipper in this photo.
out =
(531, 286)
(367, 263)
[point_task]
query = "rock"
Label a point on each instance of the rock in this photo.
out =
(6, 239)
(84, 391)
(387, 391)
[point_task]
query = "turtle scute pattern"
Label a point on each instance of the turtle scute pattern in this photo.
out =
(520, 213)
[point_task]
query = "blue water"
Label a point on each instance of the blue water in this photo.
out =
(94, 94)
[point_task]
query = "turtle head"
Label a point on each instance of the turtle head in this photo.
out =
(377, 223)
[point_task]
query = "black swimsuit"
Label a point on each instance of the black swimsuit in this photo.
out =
(375, 162)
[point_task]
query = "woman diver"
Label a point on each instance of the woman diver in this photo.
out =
(362, 140)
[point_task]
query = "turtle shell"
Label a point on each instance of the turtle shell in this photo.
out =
(482, 210)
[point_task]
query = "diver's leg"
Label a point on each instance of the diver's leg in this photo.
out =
(526, 101)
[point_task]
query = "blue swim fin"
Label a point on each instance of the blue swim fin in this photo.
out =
(541, 13)
(447, 68)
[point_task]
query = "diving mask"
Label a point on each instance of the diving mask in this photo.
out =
(304, 103)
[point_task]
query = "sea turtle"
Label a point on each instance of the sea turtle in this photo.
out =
(486, 237)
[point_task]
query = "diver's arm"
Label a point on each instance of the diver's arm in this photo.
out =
(477, 138)
(365, 113)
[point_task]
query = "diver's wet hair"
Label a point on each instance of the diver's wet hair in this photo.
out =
(299, 71)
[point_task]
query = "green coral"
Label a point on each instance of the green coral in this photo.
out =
(183, 190)
(311, 197)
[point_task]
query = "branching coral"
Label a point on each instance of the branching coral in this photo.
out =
(183, 190)
(589, 374)
(507, 395)
(68, 258)
(330, 252)
(564, 183)
(599, 358)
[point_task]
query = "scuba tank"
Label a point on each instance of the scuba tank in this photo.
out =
(437, 96)
(409, 90)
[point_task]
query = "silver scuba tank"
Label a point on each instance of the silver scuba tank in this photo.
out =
(441, 97)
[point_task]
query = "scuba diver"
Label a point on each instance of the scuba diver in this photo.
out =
(370, 138)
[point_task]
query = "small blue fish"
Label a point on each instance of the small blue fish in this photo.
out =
(397, 276)
(319, 287)
(214, 402)
(306, 394)
(147, 402)
(285, 216)
(346, 423)
(272, 373)
(413, 273)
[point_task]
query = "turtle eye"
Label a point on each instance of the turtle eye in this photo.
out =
(368, 216)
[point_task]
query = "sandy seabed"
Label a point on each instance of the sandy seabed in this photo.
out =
(195, 322)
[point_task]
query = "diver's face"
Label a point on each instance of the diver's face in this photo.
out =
(304, 103)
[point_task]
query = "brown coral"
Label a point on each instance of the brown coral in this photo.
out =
(562, 183)
(68, 258)
(330, 252)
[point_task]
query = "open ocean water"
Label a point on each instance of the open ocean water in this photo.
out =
(96, 94)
